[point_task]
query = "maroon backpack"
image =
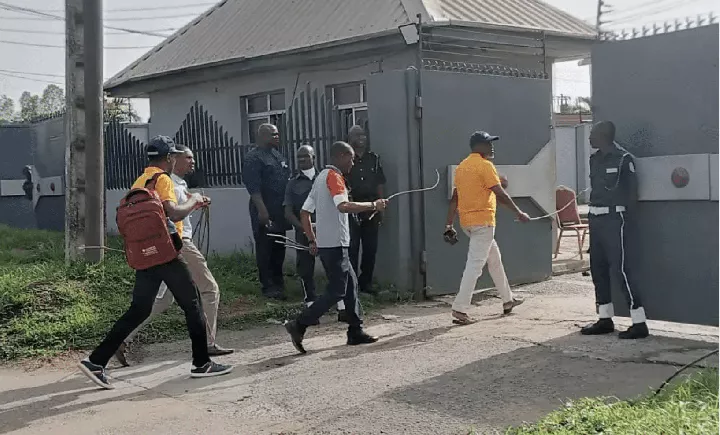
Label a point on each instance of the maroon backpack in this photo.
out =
(150, 238)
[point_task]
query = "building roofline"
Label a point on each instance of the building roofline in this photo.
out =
(322, 53)
(109, 86)
(506, 28)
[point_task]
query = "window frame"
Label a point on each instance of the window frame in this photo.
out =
(352, 107)
(267, 115)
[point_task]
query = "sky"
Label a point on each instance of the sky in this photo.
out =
(31, 68)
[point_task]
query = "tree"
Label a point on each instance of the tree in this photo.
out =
(52, 101)
(29, 106)
(7, 109)
(119, 110)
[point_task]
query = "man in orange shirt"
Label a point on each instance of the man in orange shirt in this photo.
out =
(477, 187)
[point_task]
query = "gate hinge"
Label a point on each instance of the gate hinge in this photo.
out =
(418, 107)
(423, 262)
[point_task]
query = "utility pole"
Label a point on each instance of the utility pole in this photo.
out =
(75, 134)
(94, 154)
(598, 20)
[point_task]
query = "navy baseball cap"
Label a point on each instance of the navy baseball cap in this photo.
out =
(482, 137)
(161, 146)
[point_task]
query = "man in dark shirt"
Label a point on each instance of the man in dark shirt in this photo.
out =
(612, 205)
(296, 193)
(366, 182)
(265, 175)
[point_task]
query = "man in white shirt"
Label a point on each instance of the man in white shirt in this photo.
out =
(196, 262)
(329, 200)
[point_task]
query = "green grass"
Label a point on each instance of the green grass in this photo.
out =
(688, 407)
(47, 307)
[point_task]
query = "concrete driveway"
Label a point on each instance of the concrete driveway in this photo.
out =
(425, 376)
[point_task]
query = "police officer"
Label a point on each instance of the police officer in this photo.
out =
(265, 175)
(366, 182)
(296, 193)
(612, 202)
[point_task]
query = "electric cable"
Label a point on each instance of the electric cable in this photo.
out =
(49, 32)
(30, 11)
(682, 369)
(28, 44)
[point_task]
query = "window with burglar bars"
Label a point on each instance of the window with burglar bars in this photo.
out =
(350, 101)
(266, 108)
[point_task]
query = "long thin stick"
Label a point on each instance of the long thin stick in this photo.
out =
(426, 189)
(563, 208)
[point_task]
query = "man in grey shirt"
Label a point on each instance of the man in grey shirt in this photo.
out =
(196, 262)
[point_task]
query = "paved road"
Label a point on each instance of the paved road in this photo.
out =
(424, 377)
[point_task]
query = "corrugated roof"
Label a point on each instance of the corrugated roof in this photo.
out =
(530, 14)
(243, 29)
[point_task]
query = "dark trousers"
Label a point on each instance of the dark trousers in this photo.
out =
(342, 285)
(305, 264)
(364, 233)
(270, 257)
(177, 277)
(610, 259)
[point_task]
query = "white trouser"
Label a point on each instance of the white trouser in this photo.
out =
(483, 249)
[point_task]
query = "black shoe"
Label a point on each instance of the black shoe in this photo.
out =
(209, 370)
(95, 373)
(216, 350)
(637, 330)
(360, 337)
(602, 326)
(342, 316)
(508, 306)
(121, 356)
(297, 333)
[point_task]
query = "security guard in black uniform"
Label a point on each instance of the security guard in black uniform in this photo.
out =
(366, 182)
(612, 201)
(265, 174)
(297, 191)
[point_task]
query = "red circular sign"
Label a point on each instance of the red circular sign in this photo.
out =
(680, 177)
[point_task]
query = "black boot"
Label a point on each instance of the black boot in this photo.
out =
(637, 330)
(297, 333)
(602, 326)
(358, 336)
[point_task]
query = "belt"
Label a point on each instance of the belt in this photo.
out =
(597, 211)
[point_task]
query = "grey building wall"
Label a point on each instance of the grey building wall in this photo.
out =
(566, 157)
(572, 158)
(222, 98)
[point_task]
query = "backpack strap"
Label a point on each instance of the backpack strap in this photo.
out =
(153, 180)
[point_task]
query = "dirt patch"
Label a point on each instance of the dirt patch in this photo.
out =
(239, 307)
(61, 361)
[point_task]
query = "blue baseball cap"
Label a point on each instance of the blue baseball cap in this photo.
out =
(482, 137)
(161, 146)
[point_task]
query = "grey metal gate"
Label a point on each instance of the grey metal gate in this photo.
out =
(454, 105)
(518, 110)
(661, 91)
